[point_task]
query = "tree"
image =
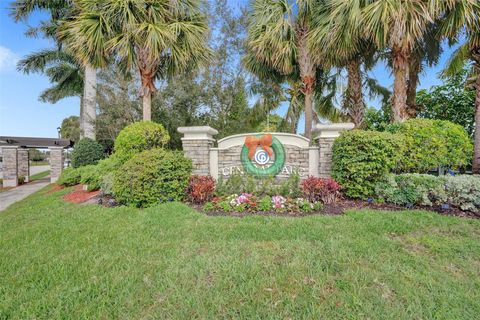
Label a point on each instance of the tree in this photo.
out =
(452, 101)
(70, 128)
(463, 18)
(398, 25)
(277, 37)
(156, 39)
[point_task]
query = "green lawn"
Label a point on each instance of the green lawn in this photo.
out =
(83, 261)
(39, 175)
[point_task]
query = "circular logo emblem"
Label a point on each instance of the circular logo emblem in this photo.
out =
(258, 152)
(261, 157)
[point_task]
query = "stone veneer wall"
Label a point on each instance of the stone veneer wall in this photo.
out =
(199, 152)
(23, 164)
(10, 166)
(325, 157)
(56, 163)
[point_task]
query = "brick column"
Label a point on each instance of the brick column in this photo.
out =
(23, 164)
(56, 163)
(10, 166)
(327, 133)
(196, 143)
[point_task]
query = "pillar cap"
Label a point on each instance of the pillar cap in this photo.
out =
(197, 133)
(332, 130)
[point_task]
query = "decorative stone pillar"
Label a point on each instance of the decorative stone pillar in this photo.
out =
(10, 166)
(327, 133)
(196, 143)
(56, 163)
(23, 164)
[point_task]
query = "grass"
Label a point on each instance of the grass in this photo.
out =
(62, 260)
(39, 163)
(39, 175)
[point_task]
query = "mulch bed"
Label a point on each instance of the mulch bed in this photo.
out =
(79, 195)
(339, 208)
(55, 188)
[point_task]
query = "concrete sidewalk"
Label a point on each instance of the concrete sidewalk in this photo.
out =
(9, 197)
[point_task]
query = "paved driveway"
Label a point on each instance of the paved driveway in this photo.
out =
(9, 197)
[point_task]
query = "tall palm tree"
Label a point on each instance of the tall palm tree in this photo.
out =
(58, 65)
(156, 38)
(277, 37)
(463, 18)
(62, 70)
(398, 25)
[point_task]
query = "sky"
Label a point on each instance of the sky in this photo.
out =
(21, 112)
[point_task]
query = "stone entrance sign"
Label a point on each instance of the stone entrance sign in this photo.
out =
(261, 154)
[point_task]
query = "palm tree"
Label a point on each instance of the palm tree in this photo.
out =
(158, 39)
(462, 17)
(398, 25)
(62, 70)
(277, 37)
(66, 73)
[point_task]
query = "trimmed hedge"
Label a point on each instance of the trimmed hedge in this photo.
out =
(462, 191)
(140, 136)
(152, 177)
(362, 158)
(86, 152)
(430, 144)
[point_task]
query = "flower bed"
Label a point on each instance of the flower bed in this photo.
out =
(249, 203)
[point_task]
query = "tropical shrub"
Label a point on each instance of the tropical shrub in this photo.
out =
(362, 158)
(462, 191)
(430, 144)
(86, 152)
(200, 188)
(237, 183)
(410, 189)
(70, 177)
(320, 189)
(140, 136)
(152, 177)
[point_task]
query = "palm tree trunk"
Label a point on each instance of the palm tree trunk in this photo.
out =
(81, 117)
(355, 105)
(476, 149)
(147, 106)
(90, 101)
(400, 70)
(307, 74)
(413, 70)
(308, 113)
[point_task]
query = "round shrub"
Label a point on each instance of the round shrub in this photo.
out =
(430, 144)
(86, 151)
(151, 177)
(70, 177)
(141, 136)
(361, 158)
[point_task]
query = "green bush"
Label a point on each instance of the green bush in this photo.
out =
(140, 136)
(85, 152)
(430, 144)
(362, 158)
(464, 192)
(151, 177)
(70, 177)
(421, 189)
(238, 183)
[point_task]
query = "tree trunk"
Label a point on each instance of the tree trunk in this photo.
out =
(147, 106)
(400, 71)
(413, 70)
(307, 74)
(90, 101)
(354, 104)
(476, 149)
(81, 117)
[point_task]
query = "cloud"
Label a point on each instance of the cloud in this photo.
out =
(8, 59)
